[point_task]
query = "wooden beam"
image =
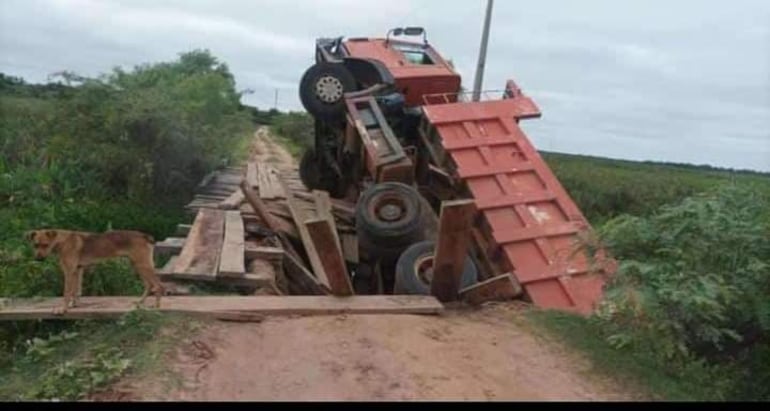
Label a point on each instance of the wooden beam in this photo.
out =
(451, 248)
(500, 288)
(323, 207)
(326, 244)
(200, 254)
(252, 251)
(310, 250)
(231, 259)
(113, 307)
(295, 270)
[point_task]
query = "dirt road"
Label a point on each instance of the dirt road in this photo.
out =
(468, 354)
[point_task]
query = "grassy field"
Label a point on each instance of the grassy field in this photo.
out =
(604, 188)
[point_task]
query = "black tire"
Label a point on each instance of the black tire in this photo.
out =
(411, 279)
(322, 89)
(386, 232)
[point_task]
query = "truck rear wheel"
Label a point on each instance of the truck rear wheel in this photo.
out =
(323, 87)
(389, 219)
(414, 270)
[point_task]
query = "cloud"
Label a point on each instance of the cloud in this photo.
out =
(657, 79)
(642, 57)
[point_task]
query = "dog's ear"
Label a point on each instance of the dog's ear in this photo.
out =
(51, 234)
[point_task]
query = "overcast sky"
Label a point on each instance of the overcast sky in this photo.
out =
(668, 80)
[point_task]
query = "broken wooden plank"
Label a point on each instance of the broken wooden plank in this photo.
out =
(233, 202)
(171, 245)
(500, 288)
(451, 248)
(113, 307)
(327, 246)
(251, 174)
(263, 253)
(231, 259)
(303, 279)
(310, 250)
(200, 254)
(323, 208)
(283, 225)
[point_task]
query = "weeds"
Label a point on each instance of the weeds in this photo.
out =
(88, 356)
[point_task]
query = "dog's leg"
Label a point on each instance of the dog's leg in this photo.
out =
(159, 291)
(144, 265)
(141, 269)
(78, 292)
(146, 291)
(68, 270)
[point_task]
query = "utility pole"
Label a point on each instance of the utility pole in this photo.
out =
(482, 53)
(275, 105)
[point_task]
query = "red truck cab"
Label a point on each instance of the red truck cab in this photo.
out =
(417, 69)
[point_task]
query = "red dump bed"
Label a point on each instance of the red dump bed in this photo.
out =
(528, 214)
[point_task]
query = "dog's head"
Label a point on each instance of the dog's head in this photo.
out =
(43, 241)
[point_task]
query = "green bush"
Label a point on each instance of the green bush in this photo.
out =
(693, 283)
(295, 130)
(147, 133)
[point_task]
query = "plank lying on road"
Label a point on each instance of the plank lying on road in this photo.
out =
(111, 307)
(231, 259)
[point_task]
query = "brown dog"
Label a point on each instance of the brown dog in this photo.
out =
(77, 250)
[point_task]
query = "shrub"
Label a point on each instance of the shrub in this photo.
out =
(693, 281)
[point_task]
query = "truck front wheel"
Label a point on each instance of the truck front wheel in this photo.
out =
(323, 87)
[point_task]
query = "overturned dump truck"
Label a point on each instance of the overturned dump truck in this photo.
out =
(396, 134)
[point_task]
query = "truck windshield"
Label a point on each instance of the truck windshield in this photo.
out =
(413, 54)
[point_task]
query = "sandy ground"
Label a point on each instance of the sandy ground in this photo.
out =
(266, 150)
(469, 354)
(489, 354)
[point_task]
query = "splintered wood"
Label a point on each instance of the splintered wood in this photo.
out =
(231, 260)
(200, 254)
